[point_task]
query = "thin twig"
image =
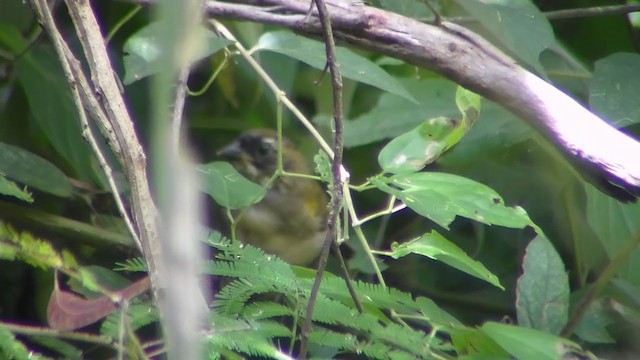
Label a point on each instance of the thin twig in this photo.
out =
(178, 108)
(347, 277)
(136, 9)
(336, 169)
(592, 11)
(568, 13)
(67, 335)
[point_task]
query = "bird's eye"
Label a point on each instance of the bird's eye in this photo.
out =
(266, 147)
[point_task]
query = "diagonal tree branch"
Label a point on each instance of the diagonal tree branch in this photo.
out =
(106, 89)
(601, 153)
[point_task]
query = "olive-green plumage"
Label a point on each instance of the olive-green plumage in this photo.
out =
(290, 220)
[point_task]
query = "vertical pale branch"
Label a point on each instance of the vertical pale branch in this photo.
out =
(183, 305)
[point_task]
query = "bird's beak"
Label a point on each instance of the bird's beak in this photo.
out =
(230, 152)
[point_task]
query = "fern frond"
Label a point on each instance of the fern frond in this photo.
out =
(370, 295)
(233, 297)
(333, 339)
(401, 337)
(371, 333)
(138, 315)
(37, 253)
(135, 264)
(373, 350)
(11, 348)
(248, 337)
(265, 310)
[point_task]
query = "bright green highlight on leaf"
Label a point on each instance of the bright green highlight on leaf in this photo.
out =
(228, 187)
(8, 187)
(542, 296)
(437, 247)
(421, 146)
(312, 53)
(441, 197)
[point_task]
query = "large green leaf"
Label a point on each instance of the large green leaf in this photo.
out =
(517, 25)
(435, 314)
(143, 51)
(614, 89)
(32, 170)
(593, 327)
(421, 146)
(441, 197)
(312, 53)
(542, 295)
(228, 187)
(393, 115)
(615, 224)
(437, 247)
(495, 130)
(41, 77)
(524, 343)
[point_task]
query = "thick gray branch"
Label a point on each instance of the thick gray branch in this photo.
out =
(134, 161)
(606, 156)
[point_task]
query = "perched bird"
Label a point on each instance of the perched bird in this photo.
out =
(290, 221)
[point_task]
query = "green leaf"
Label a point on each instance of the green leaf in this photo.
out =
(393, 115)
(410, 8)
(228, 187)
(143, 51)
(517, 25)
(615, 224)
(542, 295)
(437, 247)
(524, 343)
(494, 131)
(12, 348)
(614, 88)
(412, 151)
(593, 326)
(8, 187)
(32, 170)
(312, 53)
(434, 314)
(469, 104)
(11, 37)
(61, 347)
(441, 197)
(50, 103)
(421, 146)
(477, 344)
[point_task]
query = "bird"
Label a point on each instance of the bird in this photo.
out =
(290, 220)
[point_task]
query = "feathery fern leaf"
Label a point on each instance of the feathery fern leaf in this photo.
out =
(11, 348)
(138, 314)
(136, 264)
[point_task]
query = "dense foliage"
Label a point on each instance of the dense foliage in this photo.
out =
(487, 244)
